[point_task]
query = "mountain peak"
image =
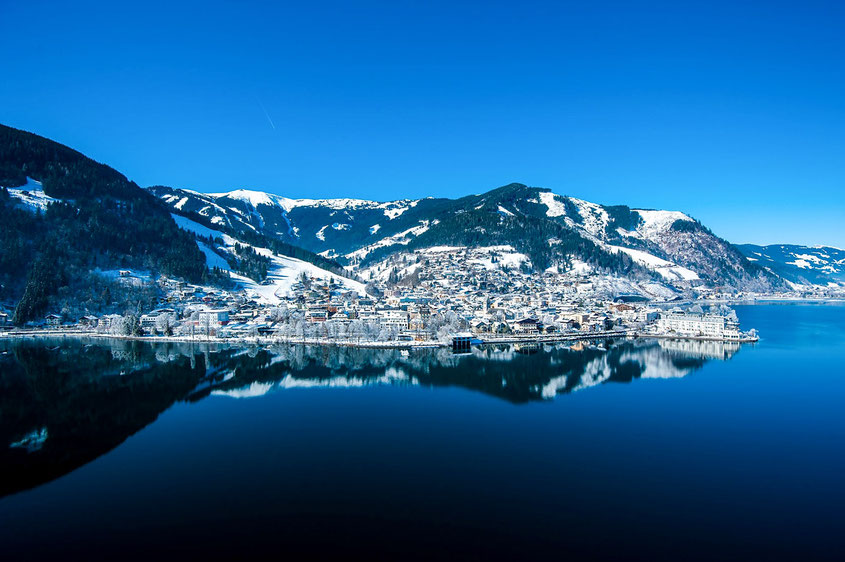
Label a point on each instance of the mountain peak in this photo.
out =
(551, 229)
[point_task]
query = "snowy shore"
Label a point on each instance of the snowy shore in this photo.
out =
(271, 340)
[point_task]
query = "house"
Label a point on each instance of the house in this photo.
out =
(53, 320)
(526, 326)
(462, 341)
(316, 315)
(148, 321)
(212, 319)
(89, 321)
(394, 318)
(106, 322)
(480, 326)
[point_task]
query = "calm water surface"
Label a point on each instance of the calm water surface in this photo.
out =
(634, 449)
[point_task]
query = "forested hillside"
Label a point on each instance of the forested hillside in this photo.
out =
(262, 240)
(94, 218)
(553, 230)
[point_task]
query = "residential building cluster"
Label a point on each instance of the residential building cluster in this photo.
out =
(423, 296)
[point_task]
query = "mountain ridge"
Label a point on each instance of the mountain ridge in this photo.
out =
(553, 229)
(818, 265)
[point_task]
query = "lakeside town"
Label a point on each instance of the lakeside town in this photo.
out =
(437, 296)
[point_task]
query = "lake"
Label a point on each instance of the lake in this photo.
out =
(628, 448)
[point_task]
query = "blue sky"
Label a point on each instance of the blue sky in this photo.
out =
(732, 112)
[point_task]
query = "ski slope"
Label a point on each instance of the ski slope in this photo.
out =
(282, 274)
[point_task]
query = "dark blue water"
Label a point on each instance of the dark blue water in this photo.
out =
(632, 449)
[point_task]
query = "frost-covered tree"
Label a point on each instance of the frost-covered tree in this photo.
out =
(165, 323)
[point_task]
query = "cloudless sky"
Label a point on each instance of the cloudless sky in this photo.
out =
(733, 112)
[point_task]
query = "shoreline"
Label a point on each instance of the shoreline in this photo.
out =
(762, 300)
(428, 344)
(14, 333)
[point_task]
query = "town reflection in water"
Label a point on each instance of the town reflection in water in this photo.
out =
(65, 403)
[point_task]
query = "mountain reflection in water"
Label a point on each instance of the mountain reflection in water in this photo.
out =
(63, 404)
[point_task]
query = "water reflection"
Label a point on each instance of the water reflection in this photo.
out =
(62, 406)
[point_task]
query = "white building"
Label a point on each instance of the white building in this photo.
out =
(212, 318)
(394, 318)
(699, 325)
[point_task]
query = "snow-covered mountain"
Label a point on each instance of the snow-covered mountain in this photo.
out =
(282, 271)
(551, 229)
(818, 265)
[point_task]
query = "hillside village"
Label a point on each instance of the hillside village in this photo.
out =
(510, 264)
(423, 297)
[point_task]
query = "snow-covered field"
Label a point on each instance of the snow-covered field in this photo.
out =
(666, 269)
(283, 273)
(401, 238)
(32, 195)
(658, 222)
(505, 256)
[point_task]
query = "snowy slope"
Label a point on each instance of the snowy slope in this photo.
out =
(656, 223)
(665, 268)
(283, 273)
(32, 195)
(355, 231)
(814, 265)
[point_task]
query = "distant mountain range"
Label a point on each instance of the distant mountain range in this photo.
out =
(553, 230)
(817, 265)
(68, 221)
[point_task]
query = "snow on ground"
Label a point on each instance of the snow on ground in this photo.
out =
(141, 275)
(657, 222)
(803, 264)
(436, 249)
(254, 198)
(283, 271)
(505, 211)
(657, 290)
(666, 269)
(396, 208)
(286, 272)
(506, 256)
(810, 258)
(383, 269)
(32, 195)
(197, 228)
(403, 238)
(580, 267)
(321, 234)
(392, 209)
(406, 263)
(328, 254)
(643, 258)
(375, 228)
(212, 258)
(550, 200)
(594, 217)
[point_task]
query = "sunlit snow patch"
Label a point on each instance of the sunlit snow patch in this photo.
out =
(32, 195)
